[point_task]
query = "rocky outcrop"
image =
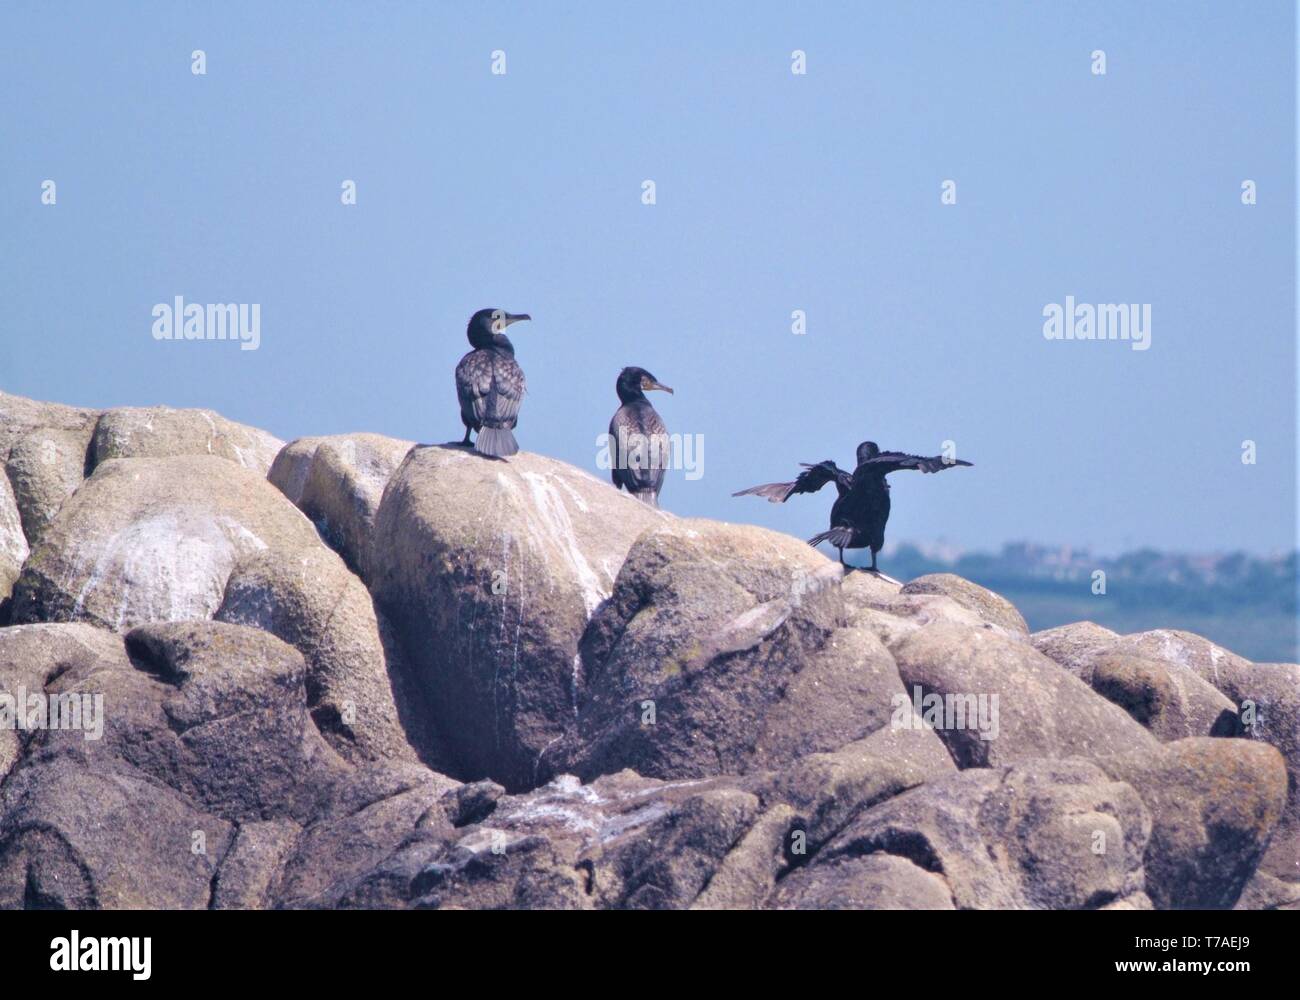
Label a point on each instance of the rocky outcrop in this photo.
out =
(338, 483)
(994, 700)
(162, 432)
(13, 543)
(150, 540)
(725, 649)
(45, 467)
(992, 608)
(489, 571)
(1181, 685)
(356, 672)
(1043, 834)
(1215, 805)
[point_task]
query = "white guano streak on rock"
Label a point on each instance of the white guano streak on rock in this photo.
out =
(578, 501)
(172, 566)
(13, 543)
(557, 532)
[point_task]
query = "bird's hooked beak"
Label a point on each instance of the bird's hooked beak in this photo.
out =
(649, 383)
(505, 319)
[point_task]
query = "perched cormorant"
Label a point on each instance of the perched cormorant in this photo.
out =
(859, 514)
(639, 447)
(490, 384)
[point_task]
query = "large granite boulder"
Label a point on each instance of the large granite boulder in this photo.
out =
(725, 649)
(489, 571)
(338, 483)
(994, 700)
(162, 432)
(185, 538)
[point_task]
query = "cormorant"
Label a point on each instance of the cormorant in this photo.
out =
(859, 514)
(490, 384)
(639, 447)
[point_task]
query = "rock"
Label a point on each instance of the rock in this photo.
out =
(1040, 834)
(667, 865)
(217, 712)
(1267, 892)
(316, 605)
(828, 790)
(33, 655)
(80, 836)
(10, 745)
(882, 607)
(1214, 804)
(1074, 646)
(338, 483)
(731, 637)
(20, 416)
(871, 882)
(154, 539)
(623, 841)
(747, 875)
(288, 473)
(1039, 711)
(1171, 704)
(337, 854)
(1183, 650)
(472, 803)
(13, 544)
(993, 608)
(488, 571)
(380, 678)
(189, 538)
(862, 591)
(45, 467)
(1269, 697)
(249, 871)
(162, 432)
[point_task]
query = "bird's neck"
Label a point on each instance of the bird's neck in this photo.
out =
(496, 342)
(486, 340)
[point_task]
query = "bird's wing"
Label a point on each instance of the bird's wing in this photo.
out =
(508, 386)
(640, 447)
(491, 385)
(473, 379)
(897, 461)
(813, 478)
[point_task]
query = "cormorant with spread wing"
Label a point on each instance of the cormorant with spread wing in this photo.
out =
(862, 508)
(639, 447)
(490, 384)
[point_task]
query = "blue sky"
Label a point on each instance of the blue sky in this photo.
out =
(775, 193)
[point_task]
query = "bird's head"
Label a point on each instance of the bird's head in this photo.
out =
(867, 450)
(634, 383)
(487, 324)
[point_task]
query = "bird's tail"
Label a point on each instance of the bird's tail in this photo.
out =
(839, 537)
(773, 492)
(498, 442)
(648, 497)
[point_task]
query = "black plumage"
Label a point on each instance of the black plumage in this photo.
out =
(861, 510)
(490, 384)
(639, 447)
